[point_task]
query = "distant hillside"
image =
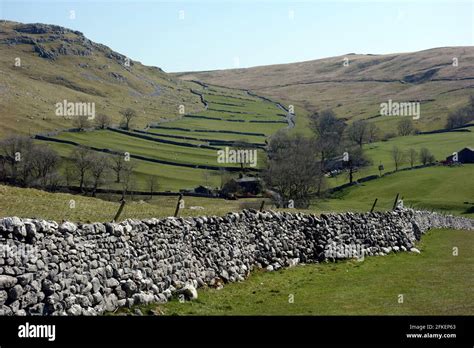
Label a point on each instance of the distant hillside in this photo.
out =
(356, 91)
(57, 64)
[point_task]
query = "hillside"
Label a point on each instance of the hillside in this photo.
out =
(42, 65)
(356, 91)
(45, 64)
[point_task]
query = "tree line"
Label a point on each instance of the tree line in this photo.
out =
(28, 164)
(297, 165)
(102, 121)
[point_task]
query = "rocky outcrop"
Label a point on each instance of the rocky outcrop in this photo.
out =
(52, 41)
(50, 268)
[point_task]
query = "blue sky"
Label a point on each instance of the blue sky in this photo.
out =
(228, 34)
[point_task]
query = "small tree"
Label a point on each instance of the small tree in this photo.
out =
(99, 168)
(397, 156)
(44, 165)
(127, 181)
(357, 132)
(292, 169)
(405, 127)
(152, 182)
(426, 157)
(372, 132)
(15, 152)
(357, 159)
(103, 121)
(81, 123)
(328, 130)
(69, 174)
(82, 160)
(412, 155)
(118, 164)
(128, 115)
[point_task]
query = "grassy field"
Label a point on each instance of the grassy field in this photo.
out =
(169, 177)
(34, 203)
(438, 188)
(432, 283)
(264, 128)
(174, 177)
(135, 146)
(209, 135)
(440, 145)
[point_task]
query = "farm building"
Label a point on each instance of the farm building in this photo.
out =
(466, 155)
(250, 184)
(204, 190)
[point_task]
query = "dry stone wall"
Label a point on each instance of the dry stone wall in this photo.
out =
(50, 268)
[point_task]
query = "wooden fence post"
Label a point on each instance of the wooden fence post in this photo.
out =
(262, 205)
(395, 202)
(176, 212)
(122, 204)
(373, 205)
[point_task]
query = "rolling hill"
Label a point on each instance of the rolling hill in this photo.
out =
(42, 65)
(355, 85)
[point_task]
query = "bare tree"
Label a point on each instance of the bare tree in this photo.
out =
(127, 181)
(397, 156)
(99, 168)
(103, 121)
(69, 174)
(412, 156)
(152, 182)
(82, 160)
(118, 164)
(128, 115)
(25, 169)
(357, 159)
(405, 127)
(3, 169)
(45, 162)
(15, 152)
(328, 130)
(26, 163)
(357, 132)
(372, 132)
(426, 157)
(81, 123)
(292, 170)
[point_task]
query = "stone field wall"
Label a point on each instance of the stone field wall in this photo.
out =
(48, 268)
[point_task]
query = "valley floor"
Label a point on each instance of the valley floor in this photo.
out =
(444, 189)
